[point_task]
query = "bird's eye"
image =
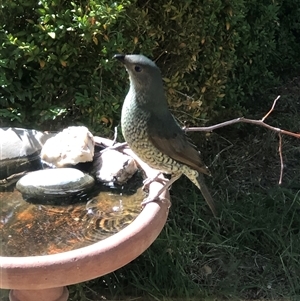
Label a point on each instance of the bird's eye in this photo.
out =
(138, 68)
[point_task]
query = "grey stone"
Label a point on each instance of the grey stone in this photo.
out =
(19, 152)
(58, 182)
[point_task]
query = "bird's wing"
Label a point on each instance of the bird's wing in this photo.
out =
(167, 136)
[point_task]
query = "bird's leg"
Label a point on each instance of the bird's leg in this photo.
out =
(150, 198)
(148, 181)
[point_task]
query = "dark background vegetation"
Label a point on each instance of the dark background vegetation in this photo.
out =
(219, 59)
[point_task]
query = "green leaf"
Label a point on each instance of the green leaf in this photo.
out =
(52, 34)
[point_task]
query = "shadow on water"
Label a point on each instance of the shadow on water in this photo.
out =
(49, 226)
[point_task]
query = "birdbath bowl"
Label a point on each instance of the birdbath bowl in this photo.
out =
(45, 277)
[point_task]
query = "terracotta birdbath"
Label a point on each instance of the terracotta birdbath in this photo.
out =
(45, 278)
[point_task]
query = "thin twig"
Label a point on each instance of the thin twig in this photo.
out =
(256, 122)
(217, 156)
(117, 146)
(271, 110)
(281, 159)
(241, 120)
(183, 94)
(115, 135)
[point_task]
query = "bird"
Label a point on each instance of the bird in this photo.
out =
(152, 132)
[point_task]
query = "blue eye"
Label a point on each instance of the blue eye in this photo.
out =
(137, 68)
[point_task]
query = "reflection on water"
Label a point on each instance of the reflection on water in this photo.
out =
(35, 228)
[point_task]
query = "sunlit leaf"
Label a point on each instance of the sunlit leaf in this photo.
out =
(51, 34)
(63, 63)
(42, 63)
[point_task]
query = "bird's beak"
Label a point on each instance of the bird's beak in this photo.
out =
(120, 57)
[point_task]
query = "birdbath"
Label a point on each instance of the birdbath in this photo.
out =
(45, 277)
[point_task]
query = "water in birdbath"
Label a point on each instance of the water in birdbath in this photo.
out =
(42, 227)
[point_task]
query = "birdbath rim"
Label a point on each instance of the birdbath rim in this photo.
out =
(98, 259)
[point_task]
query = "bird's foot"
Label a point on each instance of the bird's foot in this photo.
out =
(148, 181)
(156, 199)
(166, 184)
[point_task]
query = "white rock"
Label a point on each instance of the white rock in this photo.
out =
(73, 145)
(113, 166)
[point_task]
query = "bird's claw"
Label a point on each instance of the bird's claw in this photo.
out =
(155, 199)
(148, 181)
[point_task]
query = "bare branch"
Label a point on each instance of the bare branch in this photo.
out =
(183, 94)
(217, 156)
(115, 135)
(256, 122)
(281, 159)
(271, 110)
(244, 120)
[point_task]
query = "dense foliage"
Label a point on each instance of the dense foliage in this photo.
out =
(55, 55)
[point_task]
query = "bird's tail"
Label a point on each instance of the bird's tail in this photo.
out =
(206, 194)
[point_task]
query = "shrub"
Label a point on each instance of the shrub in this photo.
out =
(288, 45)
(215, 55)
(54, 60)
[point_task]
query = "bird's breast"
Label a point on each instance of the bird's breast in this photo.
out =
(135, 124)
(133, 121)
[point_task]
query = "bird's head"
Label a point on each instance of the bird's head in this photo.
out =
(143, 73)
